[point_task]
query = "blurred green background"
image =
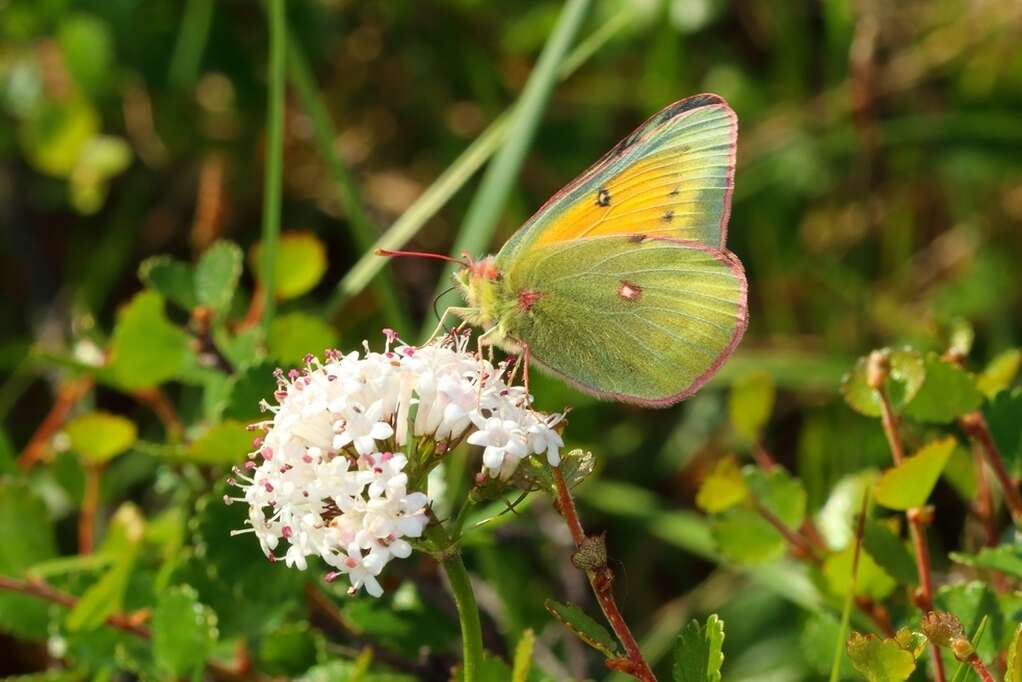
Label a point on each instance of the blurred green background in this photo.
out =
(878, 198)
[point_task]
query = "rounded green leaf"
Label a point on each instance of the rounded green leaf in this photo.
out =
(879, 660)
(224, 443)
(745, 537)
(723, 488)
(147, 349)
(779, 492)
(217, 274)
(100, 436)
(1000, 373)
(750, 403)
(948, 392)
(908, 370)
(871, 580)
(184, 632)
(910, 483)
(293, 335)
(301, 263)
(172, 278)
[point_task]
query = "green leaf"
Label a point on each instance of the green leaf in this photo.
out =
(147, 349)
(970, 603)
(743, 536)
(879, 660)
(1004, 558)
(224, 443)
(723, 488)
(288, 650)
(301, 263)
(523, 656)
(750, 403)
(960, 473)
(100, 436)
(948, 392)
(348, 671)
(293, 335)
(889, 552)
(1013, 673)
(908, 371)
(171, 278)
(584, 627)
(999, 374)
(184, 631)
(1002, 415)
(910, 483)
(107, 594)
(872, 581)
(245, 389)
(87, 45)
(217, 274)
(819, 638)
(779, 492)
(698, 651)
(27, 540)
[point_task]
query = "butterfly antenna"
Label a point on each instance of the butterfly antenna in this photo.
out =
(420, 254)
(436, 302)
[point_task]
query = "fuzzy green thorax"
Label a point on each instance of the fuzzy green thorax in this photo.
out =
(490, 304)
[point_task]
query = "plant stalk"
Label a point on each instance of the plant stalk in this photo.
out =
(468, 612)
(976, 426)
(601, 579)
(273, 182)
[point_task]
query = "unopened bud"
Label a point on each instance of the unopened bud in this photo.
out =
(923, 515)
(943, 629)
(878, 367)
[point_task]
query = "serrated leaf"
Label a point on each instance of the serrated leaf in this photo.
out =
(100, 436)
(184, 631)
(879, 660)
(217, 274)
(172, 278)
(107, 595)
(301, 263)
(584, 627)
(745, 537)
(1004, 419)
(225, 443)
(1003, 558)
(910, 483)
(750, 403)
(523, 656)
(872, 581)
(1013, 672)
(999, 374)
(908, 370)
(723, 488)
(698, 651)
(146, 348)
(779, 492)
(889, 552)
(948, 392)
(293, 335)
(970, 603)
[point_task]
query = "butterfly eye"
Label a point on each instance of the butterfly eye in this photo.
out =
(602, 197)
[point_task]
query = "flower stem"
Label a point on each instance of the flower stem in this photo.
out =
(980, 669)
(468, 614)
(273, 183)
(976, 426)
(916, 521)
(601, 579)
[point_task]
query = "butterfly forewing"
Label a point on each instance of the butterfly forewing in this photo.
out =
(672, 177)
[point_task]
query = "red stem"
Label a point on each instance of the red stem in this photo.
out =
(976, 426)
(916, 521)
(90, 503)
(601, 579)
(980, 669)
(67, 396)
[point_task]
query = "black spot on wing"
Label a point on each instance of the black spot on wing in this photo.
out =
(602, 197)
(668, 216)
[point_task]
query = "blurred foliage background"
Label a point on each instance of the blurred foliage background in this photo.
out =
(878, 199)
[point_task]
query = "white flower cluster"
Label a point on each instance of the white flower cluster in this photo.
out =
(328, 476)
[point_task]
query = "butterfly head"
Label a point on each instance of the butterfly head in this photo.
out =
(480, 281)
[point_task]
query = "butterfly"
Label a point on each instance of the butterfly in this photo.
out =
(621, 284)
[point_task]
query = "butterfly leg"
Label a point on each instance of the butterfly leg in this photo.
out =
(452, 310)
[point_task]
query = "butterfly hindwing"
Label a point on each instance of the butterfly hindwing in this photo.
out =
(633, 318)
(672, 177)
